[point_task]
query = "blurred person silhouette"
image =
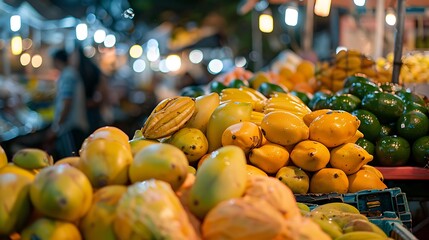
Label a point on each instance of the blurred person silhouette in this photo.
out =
(96, 91)
(69, 127)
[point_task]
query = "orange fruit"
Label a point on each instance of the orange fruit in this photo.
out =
(329, 180)
(306, 68)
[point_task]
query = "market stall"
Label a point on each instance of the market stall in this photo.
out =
(201, 141)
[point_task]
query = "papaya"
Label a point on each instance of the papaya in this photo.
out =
(222, 176)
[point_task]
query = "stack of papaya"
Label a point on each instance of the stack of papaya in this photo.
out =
(394, 120)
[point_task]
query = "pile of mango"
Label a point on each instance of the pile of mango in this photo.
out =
(330, 75)
(415, 68)
(110, 193)
(393, 119)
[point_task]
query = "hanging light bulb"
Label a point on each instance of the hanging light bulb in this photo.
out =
(322, 8)
(266, 23)
(359, 3)
(291, 15)
(15, 23)
(81, 31)
(16, 45)
(390, 17)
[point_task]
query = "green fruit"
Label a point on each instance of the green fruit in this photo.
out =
(345, 102)
(192, 91)
(303, 207)
(412, 106)
(216, 86)
(305, 97)
(385, 130)
(32, 158)
(408, 97)
(269, 88)
(392, 151)
(318, 96)
(360, 89)
(386, 106)
(222, 176)
(367, 145)
(420, 151)
(390, 87)
(369, 124)
(337, 206)
(46, 228)
(412, 125)
(237, 83)
(352, 79)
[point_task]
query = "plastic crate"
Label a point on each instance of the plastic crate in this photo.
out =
(376, 203)
(394, 228)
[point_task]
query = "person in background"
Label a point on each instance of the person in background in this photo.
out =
(70, 126)
(96, 91)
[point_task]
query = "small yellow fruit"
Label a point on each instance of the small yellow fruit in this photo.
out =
(308, 118)
(160, 161)
(3, 157)
(269, 157)
(138, 144)
(12, 168)
(72, 161)
(365, 180)
(284, 128)
(334, 128)
(61, 192)
(252, 171)
(310, 155)
(295, 178)
(109, 133)
(46, 228)
(328, 180)
(105, 162)
(374, 170)
(246, 135)
(191, 141)
(306, 68)
(349, 157)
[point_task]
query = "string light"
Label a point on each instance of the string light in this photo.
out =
(136, 51)
(81, 31)
(390, 17)
(173, 62)
(16, 45)
(266, 23)
(322, 8)
(291, 15)
(15, 23)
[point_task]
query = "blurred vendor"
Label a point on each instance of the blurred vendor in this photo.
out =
(70, 124)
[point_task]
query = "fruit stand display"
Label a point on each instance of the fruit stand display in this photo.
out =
(229, 163)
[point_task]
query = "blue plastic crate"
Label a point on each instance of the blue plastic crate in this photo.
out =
(393, 228)
(376, 203)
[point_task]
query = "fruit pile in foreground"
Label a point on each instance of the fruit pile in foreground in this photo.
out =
(153, 196)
